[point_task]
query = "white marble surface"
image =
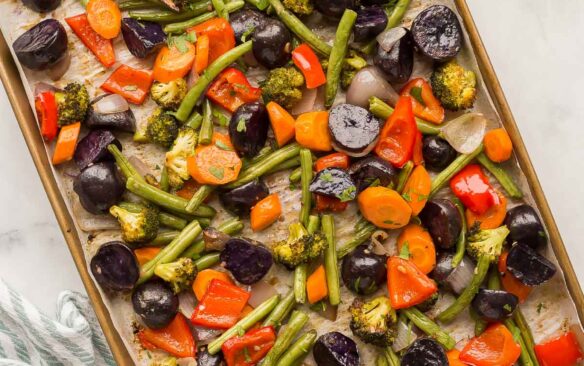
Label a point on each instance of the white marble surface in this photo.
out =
(538, 53)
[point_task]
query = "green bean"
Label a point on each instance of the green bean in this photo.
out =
(382, 110)
(357, 239)
(469, 292)
(296, 175)
(194, 120)
(200, 195)
(210, 73)
(457, 165)
(164, 238)
(245, 323)
(272, 161)
(220, 8)
(124, 164)
(301, 271)
(260, 4)
(264, 152)
(330, 261)
(429, 327)
(172, 251)
(166, 16)
(300, 349)
(393, 20)
(164, 184)
(288, 164)
(337, 56)
(180, 27)
(525, 357)
(525, 330)
(171, 221)
(285, 338)
(207, 261)
(301, 30)
(461, 242)
(229, 227)
(306, 178)
(480, 323)
(280, 312)
(206, 132)
(137, 4)
(501, 175)
(392, 359)
(404, 175)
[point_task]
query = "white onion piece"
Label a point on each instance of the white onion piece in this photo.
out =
(306, 104)
(405, 336)
(319, 102)
(353, 154)
(461, 276)
(205, 336)
(140, 166)
(186, 361)
(192, 78)
(186, 303)
(111, 103)
(370, 82)
(388, 38)
(89, 222)
(377, 239)
(260, 292)
(43, 87)
(465, 133)
(60, 68)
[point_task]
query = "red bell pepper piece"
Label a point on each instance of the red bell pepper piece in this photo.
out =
(307, 61)
(472, 187)
(176, 338)
(102, 48)
(334, 160)
(231, 89)
(130, 83)
(495, 347)
(407, 285)
(425, 104)
(417, 155)
(397, 139)
(47, 114)
(333, 204)
(249, 349)
(221, 36)
(563, 350)
(221, 306)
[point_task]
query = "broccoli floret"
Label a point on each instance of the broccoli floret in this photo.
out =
(300, 7)
(300, 247)
(169, 95)
(168, 361)
(487, 243)
(176, 158)
(72, 104)
(374, 321)
(428, 303)
(283, 86)
(454, 86)
(179, 274)
(139, 223)
(162, 128)
(351, 65)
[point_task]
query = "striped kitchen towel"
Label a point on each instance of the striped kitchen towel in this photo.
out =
(29, 337)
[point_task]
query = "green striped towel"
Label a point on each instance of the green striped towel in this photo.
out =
(29, 337)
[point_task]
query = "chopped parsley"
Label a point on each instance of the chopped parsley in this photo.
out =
(223, 146)
(347, 194)
(217, 172)
(241, 127)
(180, 42)
(327, 177)
(405, 251)
(416, 93)
(220, 117)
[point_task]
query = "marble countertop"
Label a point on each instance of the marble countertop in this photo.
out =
(537, 50)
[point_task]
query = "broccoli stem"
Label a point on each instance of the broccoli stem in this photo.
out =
(457, 165)
(245, 323)
(337, 56)
(182, 26)
(124, 164)
(171, 221)
(306, 178)
(206, 132)
(165, 16)
(404, 175)
(229, 227)
(164, 238)
(288, 164)
(429, 327)
(172, 251)
(301, 271)
(501, 175)
(207, 261)
(164, 184)
(300, 349)
(461, 242)
(469, 292)
(296, 175)
(210, 73)
(260, 4)
(285, 338)
(200, 195)
(221, 9)
(330, 261)
(393, 20)
(280, 312)
(359, 238)
(301, 30)
(391, 357)
(194, 120)
(382, 110)
(272, 161)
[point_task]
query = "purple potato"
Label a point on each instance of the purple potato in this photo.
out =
(528, 266)
(334, 8)
(204, 358)
(424, 352)
(525, 226)
(437, 152)
(335, 349)
(93, 148)
(155, 303)
(363, 271)
(240, 200)
(248, 262)
(353, 129)
(494, 305)
(371, 169)
(115, 267)
(244, 22)
(123, 121)
(248, 128)
(99, 186)
(334, 182)
(42, 6)
(42, 46)
(370, 22)
(443, 221)
(142, 37)
(437, 33)
(397, 63)
(271, 43)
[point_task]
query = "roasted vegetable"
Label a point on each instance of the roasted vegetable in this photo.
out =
(139, 223)
(437, 33)
(110, 111)
(142, 37)
(454, 86)
(353, 129)
(42, 46)
(487, 243)
(169, 95)
(528, 266)
(494, 305)
(371, 21)
(247, 261)
(179, 274)
(335, 349)
(300, 247)
(283, 86)
(248, 128)
(155, 303)
(115, 267)
(300, 7)
(271, 43)
(162, 128)
(424, 352)
(363, 271)
(176, 158)
(443, 221)
(240, 200)
(93, 148)
(395, 59)
(72, 103)
(99, 186)
(374, 321)
(525, 226)
(351, 65)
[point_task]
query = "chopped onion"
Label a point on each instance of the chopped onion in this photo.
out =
(377, 240)
(370, 82)
(111, 103)
(192, 78)
(43, 87)
(214, 239)
(89, 222)
(465, 133)
(60, 68)
(461, 276)
(205, 336)
(389, 37)
(306, 104)
(260, 292)
(140, 166)
(186, 303)
(405, 336)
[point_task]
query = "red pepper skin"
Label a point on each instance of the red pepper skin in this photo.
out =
(221, 306)
(249, 349)
(307, 61)
(231, 89)
(561, 351)
(176, 338)
(417, 155)
(398, 137)
(130, 83)
(47, 114)
(335, 160)
(221, 36)
(472, 187)
(431, 109)
(102, 48)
